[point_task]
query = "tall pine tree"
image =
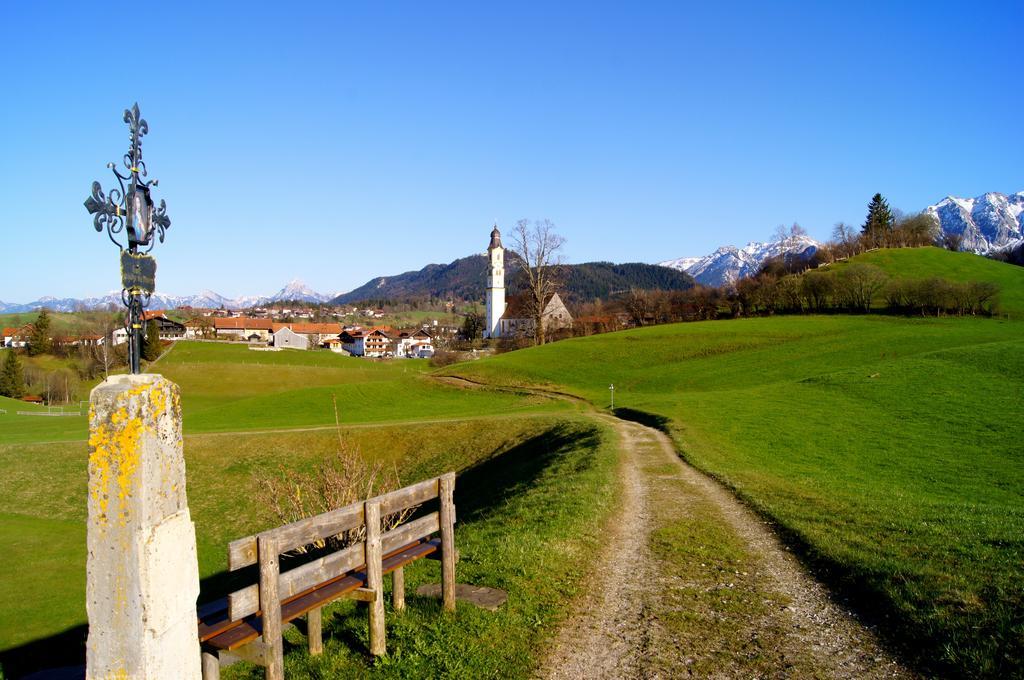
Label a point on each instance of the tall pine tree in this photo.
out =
(39, 341)
(151, 347)
(880, 220)
(12, 380)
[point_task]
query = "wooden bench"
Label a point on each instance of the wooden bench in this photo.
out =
(248, 622)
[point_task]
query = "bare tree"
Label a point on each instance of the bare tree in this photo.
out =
(845, 237)
(539, 254)
(639, 305)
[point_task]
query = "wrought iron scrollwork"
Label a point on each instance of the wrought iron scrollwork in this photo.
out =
(106, 211)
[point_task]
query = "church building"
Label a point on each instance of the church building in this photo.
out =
(513, 319)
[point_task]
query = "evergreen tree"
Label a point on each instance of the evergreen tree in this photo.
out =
(12, 380)
(880, 219)
(151, 346)
(39, 341)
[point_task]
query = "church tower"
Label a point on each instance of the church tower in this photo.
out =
(495, 285)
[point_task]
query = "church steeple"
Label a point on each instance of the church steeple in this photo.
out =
(495, 285)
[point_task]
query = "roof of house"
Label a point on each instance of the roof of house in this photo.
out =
(309, 328)
(413, 332)
(241, 323)
(517, 306)
(153, 314)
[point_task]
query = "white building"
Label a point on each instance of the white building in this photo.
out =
(495, 285)
(414, 344)
(286, 338)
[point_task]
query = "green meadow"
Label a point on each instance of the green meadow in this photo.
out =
(887, 450)
(227, 388)
(515, 448)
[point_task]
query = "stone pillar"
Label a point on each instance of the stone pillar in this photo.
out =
(142, 572)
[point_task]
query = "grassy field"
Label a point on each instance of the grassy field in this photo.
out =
(887, 450)
(923, 263)
(227, 388)
(238, 405)
(510, 470)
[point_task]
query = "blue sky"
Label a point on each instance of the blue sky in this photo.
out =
(336, 142)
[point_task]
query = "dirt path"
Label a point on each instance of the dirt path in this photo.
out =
(695, 585)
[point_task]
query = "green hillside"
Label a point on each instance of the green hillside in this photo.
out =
(923, 263)
(887, 449)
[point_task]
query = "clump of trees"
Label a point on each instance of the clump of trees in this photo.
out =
(858, 288)
(886, 228)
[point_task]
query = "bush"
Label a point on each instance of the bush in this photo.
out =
(341, 480)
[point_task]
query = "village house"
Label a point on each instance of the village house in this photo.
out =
(16, 337)
(243, 328)
(169, 329)
(367, 343)
(336, 345)
(88, 340)
(416, 344)
(315, 333)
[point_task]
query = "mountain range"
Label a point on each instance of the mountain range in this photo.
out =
(729, 263)
(294, 290)
(992, 221)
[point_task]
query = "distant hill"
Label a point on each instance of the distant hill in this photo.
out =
(923, 263)
(465, 279)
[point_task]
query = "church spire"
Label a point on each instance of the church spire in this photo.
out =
(495, 239)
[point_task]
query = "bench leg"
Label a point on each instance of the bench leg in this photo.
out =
(398, 588)
(314, 631)
(211, 666)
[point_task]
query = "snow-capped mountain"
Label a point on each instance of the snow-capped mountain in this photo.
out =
(989, 222)
(208, 299)
(729, 263)
(297, 290)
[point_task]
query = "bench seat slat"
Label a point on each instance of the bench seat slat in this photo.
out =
(218, 632)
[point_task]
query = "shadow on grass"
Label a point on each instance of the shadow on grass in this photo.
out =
(644, 418)
(479, 491)
(484, 487)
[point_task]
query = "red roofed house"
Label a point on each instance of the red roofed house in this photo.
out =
(243, 328)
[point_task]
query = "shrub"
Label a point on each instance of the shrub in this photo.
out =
(340, 480)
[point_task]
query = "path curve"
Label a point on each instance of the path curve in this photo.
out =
(614, 629)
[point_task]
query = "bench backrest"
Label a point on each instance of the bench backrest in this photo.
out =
(245, 552)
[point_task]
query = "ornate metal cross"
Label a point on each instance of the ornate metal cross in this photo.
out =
(129, 210)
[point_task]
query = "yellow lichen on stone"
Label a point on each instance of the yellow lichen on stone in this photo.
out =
(114, 450)
(99, 469)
